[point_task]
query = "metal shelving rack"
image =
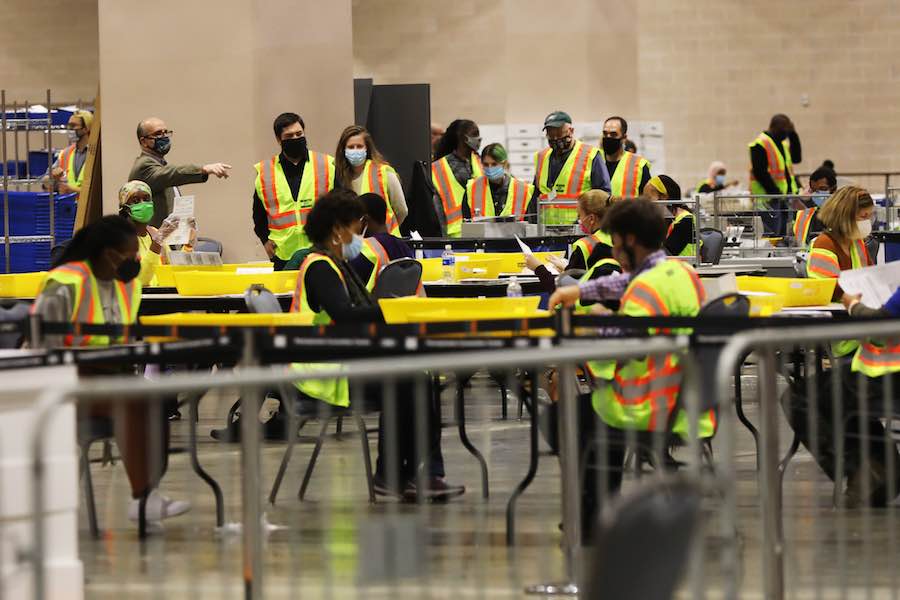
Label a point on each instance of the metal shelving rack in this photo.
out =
(13, 128)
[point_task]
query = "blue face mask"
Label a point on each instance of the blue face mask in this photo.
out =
(820, 197)
(356, 157)
(352, 249)
(494, 172)
(162, 145)
(720, 180)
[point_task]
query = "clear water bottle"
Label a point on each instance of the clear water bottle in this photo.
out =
(514, 288)
(448, 263)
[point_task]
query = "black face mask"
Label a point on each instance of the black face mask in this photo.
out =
(294, 148)
(128, 269)
(611, 145)
(560, 144)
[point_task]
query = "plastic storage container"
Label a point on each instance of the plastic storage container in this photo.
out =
(229, 319)
(218, 283)
(764, 304)
(166, 278)
(21, 285)
(415, 309)
(29, 214)
(791, 291)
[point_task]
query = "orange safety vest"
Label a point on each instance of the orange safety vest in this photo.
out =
(374, 180)
(451, 192)
(481, 199)
(802, 223)
(67, 164)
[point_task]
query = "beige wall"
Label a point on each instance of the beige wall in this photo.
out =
(42, 47)
(713, 71)
(499, 62)
(218, 80)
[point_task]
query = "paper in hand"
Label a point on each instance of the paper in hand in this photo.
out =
(183, 209)
(524, 247)
(876, 283)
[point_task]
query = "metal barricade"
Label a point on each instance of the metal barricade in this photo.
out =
(820, 536)
(339, 545)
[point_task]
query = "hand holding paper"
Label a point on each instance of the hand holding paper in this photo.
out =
(183, 213)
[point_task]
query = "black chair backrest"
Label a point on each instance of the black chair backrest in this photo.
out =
(728, 305)
(663, 516)
(260, 300)
(205, 244)
(872, 245)
(16, 312)
(713, 245)
(398, 278)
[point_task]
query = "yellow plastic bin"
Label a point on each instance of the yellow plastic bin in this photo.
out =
(229, 319)
(21, 285)
(791, 291)
(407, 310)
(479, 268)
(764, 304)
(203, 283)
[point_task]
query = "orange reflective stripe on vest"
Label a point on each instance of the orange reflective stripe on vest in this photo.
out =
(802, 223)
(644, 295)
(886, 357)
(65, 156)
(823, 265)
(579, 171)
(520, 197)
(380, 253)
(480, 191)
(695, 281)
(277, 220)
(630, 162)
(440, 170)
(658, 386)
(863, 252)
(773, 156)
(321, 176)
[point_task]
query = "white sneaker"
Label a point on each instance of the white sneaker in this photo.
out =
(158, 507)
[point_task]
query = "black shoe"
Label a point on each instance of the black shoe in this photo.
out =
(383, 489)
(438, 490)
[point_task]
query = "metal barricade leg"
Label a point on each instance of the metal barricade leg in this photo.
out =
(773, 545)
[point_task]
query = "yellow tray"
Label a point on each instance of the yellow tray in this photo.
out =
(449, 315)
(509, 262)
(413, 309)
(228, 319)
(764, 304)
(165, 274)
(791, 291)
(21, 285)
(203, 283)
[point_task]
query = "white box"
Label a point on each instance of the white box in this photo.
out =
(526, 144)
(521, 158)
(524, 130)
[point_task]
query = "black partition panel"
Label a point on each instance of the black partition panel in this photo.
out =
(362, 98)
(399, 118)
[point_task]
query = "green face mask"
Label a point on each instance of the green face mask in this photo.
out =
(141, 212)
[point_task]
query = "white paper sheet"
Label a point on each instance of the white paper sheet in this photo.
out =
(183, 208)
(876, 284)
(414, 235)
(524, 247)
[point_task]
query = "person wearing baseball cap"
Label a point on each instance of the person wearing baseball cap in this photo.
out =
(564, 171)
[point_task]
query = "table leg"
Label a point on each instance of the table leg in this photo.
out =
(464, 437)
(193, 409)
(532, 465)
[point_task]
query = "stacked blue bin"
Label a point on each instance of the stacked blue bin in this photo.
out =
(29, 214)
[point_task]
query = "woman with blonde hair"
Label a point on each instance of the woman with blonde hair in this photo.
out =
(847, 217)
(359, 166)
(592, 253)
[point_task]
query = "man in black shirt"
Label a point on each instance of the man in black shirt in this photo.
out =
(773, 174)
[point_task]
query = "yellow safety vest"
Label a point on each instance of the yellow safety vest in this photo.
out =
(876, 359)
(611, 263)
(149, 261)
(451, 192)
(626, 181)
(586, 245)
(67, 164)
(374, 181)
(332, 391)
(824, 264)
(641, 394)
(573, 180)
(481, 198)
(689, 249)
(286, 216)
(378, 256)
(86, 306)
(780, 167)
(802, 224)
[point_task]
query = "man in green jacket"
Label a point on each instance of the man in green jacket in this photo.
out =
(151, 168)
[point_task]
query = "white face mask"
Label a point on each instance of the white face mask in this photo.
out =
(863, 229)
